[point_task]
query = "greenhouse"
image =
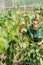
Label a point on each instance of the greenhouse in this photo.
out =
(21, 32)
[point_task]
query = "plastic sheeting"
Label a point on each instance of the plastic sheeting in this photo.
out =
(11, 3)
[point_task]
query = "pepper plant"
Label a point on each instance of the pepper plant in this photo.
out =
(11, 42)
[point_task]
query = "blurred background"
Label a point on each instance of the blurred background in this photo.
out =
(21, 3)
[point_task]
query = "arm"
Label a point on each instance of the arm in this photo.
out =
(21, 26)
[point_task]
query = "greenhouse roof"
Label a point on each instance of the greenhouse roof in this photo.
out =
(11, 3)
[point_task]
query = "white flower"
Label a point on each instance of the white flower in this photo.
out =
(24, 45)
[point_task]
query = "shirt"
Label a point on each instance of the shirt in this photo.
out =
(36, 34)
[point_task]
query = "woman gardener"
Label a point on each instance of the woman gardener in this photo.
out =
(35, 29)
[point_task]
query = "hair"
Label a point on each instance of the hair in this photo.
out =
(34, 19)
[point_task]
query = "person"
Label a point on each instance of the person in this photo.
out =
(34, 29)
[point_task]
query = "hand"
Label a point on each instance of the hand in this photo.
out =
(40, 44)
